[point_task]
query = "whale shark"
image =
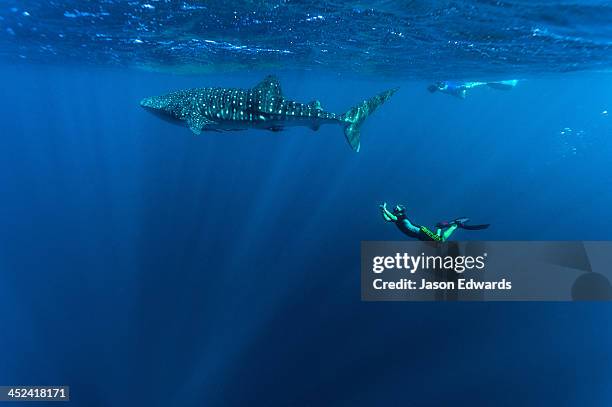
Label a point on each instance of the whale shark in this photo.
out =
(261, 107)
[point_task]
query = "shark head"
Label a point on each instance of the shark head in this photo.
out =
(150, 102)
(161, 106)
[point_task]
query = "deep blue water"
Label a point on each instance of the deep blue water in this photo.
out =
(142, 265)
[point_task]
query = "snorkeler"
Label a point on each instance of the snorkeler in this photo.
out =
(459, 89)
(443, 229)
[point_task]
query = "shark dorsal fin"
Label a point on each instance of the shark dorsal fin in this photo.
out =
(270, 85)
(315, 104)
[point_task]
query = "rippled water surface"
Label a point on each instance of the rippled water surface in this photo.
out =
(423, 39)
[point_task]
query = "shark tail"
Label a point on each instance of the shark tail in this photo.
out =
(354, 118)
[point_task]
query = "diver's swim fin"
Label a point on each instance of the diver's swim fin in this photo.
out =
(446, 225)
(474, 227)
(354, 118)
(503, 85)
(461, 222)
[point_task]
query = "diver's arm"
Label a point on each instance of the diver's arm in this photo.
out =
(387, 216)
(392, 217)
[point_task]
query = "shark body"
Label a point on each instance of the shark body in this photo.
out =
(261, 107)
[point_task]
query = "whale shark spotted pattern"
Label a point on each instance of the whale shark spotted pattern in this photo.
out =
(260, 107)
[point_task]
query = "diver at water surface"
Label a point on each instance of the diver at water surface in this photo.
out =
(459, 89)
(443, 229)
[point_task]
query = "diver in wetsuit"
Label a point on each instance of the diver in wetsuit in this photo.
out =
(443, 229)
(459, 89)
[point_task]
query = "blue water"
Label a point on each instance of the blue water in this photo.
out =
(142, 265)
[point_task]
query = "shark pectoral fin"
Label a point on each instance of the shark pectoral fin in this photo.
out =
(315, 126)
(195, 130)
(196, 122)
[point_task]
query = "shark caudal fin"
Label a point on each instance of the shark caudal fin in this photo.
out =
(354, 118)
